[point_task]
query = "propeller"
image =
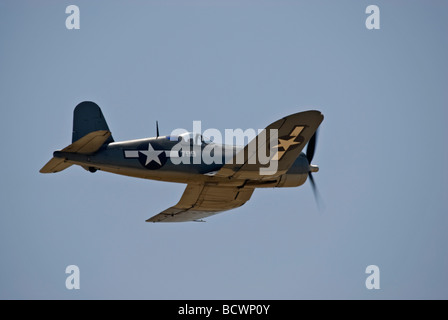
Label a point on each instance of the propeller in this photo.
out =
(310, 150)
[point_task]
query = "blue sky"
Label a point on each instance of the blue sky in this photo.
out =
(381, 151)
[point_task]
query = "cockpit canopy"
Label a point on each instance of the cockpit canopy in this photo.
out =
(191, 138)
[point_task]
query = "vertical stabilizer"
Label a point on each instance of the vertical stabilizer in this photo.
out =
(88, 118)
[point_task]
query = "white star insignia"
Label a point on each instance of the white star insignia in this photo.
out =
(151, 155)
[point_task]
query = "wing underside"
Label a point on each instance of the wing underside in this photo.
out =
(201, 200)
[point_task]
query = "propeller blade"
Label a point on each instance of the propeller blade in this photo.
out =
(317, 197)
(313, 183)
(311, 148)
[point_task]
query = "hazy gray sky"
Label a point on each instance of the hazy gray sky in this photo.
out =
(231, 64)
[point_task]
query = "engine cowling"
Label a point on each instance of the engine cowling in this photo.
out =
(292, 180)
(297, 174)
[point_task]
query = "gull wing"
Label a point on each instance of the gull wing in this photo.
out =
(293, 133)
(201, 200)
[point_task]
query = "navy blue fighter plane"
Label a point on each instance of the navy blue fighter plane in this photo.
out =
(212, 186)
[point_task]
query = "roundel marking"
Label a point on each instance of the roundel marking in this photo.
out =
(150, 158)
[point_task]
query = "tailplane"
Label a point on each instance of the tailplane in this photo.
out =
(55, 165)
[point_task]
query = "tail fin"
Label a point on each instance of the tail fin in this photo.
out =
(88, 118)
(90, 133)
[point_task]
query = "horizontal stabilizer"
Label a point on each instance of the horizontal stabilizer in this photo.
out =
(55, 165)
(88, 144)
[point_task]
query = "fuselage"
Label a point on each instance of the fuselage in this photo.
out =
(176, 159)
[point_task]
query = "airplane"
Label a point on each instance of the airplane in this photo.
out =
(211, 187)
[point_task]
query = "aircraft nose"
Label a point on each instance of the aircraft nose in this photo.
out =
(314, 168)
